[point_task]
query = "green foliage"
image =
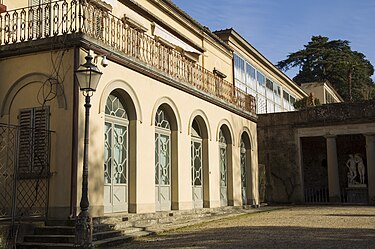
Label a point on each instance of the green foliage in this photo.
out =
(304, 103)
(348, 71)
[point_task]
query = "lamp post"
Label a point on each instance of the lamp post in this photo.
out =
(88, 76)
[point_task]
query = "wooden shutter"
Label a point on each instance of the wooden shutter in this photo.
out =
(34, 140)
(41, 139)
(25, 140)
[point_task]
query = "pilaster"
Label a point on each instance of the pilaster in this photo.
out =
(370, 154)
(333, 170)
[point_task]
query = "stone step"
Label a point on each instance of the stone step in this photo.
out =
(105, 243)
(56, 230)
(126, 220)
(105, 235)
(70, 222)
(115, 224)
(103, 227)
(127, 235)
(145, 222)
(65, 239)
(183, 217)
(35, 245)
(131, 230)
(141, 234)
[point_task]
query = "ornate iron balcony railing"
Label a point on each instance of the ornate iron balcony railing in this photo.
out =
(80, 16)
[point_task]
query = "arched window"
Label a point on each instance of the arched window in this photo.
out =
(196, 165)
(162, 160)
(116, 155)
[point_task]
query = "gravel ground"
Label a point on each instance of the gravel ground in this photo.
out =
(291, 227)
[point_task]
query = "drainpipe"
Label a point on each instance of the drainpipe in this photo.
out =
(73, 188)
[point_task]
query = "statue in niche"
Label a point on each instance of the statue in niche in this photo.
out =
(352, 174)
(361, 167)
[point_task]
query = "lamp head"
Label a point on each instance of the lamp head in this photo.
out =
(88, 75)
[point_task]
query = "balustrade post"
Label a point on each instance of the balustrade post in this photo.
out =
(80, 17)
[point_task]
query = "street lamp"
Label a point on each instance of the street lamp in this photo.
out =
(88, 76)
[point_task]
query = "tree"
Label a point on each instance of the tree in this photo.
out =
(322, 60)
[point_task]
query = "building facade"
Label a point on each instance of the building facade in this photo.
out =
(254, 74)
(327, 154)
(323, 91)
(169, 129)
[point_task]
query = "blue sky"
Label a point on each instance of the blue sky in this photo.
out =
(278, 27)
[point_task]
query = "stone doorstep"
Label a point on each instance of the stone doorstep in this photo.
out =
(27, 245)
(63, 236)
(129, 233)
(163, 216)
(191, 218)
(106, 234)
(54, 230)
(64, 239)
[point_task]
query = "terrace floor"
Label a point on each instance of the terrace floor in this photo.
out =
(283, 227)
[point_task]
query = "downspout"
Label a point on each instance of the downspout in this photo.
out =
(73, 188)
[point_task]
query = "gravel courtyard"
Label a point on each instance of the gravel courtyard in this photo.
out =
(290, 227)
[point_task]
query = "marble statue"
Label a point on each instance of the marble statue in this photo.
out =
(352, 174)
(361, 167)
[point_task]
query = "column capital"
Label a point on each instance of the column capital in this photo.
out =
(330, 136)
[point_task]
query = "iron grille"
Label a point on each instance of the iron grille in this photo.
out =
(24, 193)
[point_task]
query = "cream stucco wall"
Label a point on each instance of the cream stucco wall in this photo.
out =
(22, 79)
(149, 95)
(315, 88)
(319, 89)
(12, 4)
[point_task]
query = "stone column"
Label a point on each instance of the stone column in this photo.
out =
(370, 154)
(333, 170)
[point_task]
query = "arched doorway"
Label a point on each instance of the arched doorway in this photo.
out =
(163, 161)
(116, 156)
(197, 165)
(225, 166)
(245, 160)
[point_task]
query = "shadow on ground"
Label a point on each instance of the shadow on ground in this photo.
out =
(261, 237)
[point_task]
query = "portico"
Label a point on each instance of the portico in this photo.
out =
(327, 154)
(340, 189)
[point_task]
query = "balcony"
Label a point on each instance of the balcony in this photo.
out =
(61, 18)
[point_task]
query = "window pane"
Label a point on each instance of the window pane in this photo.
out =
(107, 153)
(261, 79)
(162, 120)
(250, 77)
(239, 68)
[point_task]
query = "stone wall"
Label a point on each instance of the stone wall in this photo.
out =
(4, 229)
(279, 143)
